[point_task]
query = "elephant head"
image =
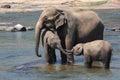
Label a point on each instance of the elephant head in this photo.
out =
(76, 50)
(55, 42)
(51, 18)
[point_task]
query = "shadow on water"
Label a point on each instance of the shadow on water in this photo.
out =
(117, 68)
(40, 66)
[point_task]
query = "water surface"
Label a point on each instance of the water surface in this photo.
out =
(19, 62)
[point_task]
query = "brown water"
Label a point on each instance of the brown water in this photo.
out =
(19, 62)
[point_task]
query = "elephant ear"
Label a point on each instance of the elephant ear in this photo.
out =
(60, 19)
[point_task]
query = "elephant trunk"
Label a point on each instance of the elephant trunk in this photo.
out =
(37, 36)
(69, 51)
(63, 51)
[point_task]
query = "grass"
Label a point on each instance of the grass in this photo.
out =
(98, 3)
(89, 4)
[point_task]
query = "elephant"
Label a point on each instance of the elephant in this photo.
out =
(98, 50)
(72, 27)
(50, 42)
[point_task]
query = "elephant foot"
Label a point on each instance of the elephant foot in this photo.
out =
(88, 64)
(70, 59)
(70, 63)
(64, 61)
(106, 66)
(51, 61)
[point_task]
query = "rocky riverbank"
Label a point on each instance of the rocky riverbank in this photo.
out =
(10, 6)
(36, 5)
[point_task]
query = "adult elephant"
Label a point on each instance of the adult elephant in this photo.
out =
(72, 26)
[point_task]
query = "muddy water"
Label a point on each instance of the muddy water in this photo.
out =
(19, 62)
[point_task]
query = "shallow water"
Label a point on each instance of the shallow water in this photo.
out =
(19, 62)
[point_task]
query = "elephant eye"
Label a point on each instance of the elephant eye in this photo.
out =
(46, 20)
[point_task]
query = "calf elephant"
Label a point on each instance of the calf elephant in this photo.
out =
(72, 27)
(98, 50)
(50, 41)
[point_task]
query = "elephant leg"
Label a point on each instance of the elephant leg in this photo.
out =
(106, 60)
(106, 63)
(70, 57)
(48, 57)
(63, 58)
(88, 61)
(61, 33)
(88, 64)
(52, 55)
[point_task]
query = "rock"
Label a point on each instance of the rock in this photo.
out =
(6, 6)
(19, 27)
(2, 28)
(117, 29)
(11, 29)
(29, 28)
(16, 28)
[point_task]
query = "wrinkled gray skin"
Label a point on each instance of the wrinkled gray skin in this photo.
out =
(72, 27)
(50, 42)
(98, 50)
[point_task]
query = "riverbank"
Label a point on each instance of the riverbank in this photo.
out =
(37, 5)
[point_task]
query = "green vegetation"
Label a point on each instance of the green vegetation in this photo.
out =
(89, 4)
(98, 3)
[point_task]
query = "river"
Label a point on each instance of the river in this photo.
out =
(19, 62)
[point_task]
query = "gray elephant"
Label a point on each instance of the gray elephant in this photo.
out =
(72, 27)
(98, 50)
(50, 42)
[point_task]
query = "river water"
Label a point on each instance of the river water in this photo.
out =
(19, 62)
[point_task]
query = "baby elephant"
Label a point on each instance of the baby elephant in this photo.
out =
(50, 42)
(98, 50)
